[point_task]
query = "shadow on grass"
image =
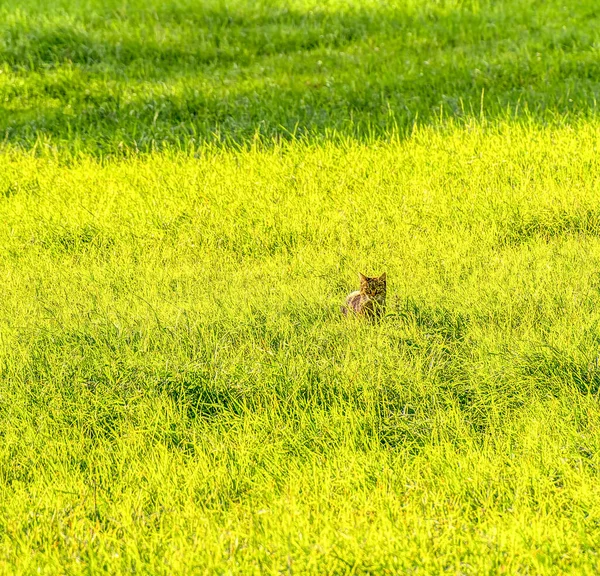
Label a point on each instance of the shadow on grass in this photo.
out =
(548, 225)
(203, 397)
(180, 75)
(553, 368)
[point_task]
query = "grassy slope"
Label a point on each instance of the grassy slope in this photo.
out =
(177, 389)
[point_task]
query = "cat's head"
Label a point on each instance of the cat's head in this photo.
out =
(372, 286)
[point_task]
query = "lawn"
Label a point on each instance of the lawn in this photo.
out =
(189, 190)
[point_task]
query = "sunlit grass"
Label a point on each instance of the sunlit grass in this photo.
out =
(180, 393)
(188, 191)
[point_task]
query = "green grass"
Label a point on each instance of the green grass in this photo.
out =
(186, 197)
(102, 76)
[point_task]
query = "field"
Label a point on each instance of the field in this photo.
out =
(188, 191)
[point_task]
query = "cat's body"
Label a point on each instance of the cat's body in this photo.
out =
(369, 301)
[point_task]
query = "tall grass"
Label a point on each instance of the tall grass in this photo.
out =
(180, 394)
(188, 191)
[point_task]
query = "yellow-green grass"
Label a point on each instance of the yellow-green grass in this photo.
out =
(179, 393)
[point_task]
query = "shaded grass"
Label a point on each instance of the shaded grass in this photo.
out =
(179, 392)
(111, 78)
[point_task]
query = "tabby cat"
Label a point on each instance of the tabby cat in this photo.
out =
(369, 301)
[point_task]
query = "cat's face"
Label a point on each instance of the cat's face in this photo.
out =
(372, 286)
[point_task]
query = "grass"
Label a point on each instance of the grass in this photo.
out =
(98, 77)
(178, 390)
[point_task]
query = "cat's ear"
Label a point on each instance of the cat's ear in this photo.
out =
(382, 277)
(363, 278)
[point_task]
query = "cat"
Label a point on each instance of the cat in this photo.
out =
(369, 301)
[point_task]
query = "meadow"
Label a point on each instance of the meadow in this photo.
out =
(187, 193)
